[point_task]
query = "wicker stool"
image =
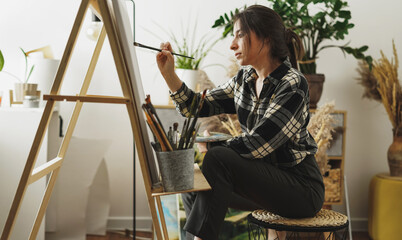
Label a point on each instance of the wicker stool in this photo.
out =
(326, 221)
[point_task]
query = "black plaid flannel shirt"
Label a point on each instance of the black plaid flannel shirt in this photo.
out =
(274, 127)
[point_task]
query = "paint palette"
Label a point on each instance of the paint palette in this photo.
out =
(215, 137)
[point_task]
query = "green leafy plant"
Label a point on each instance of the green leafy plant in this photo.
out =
(187, 45)
(27, 74)
(197, 51)
(330, 21)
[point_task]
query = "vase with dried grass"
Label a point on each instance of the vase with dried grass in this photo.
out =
(381, 83)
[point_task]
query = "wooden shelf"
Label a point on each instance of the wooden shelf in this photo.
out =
(200, 184)
(88, 98)
(165, 106)
(336, 161)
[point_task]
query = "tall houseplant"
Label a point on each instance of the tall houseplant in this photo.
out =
(315, 21)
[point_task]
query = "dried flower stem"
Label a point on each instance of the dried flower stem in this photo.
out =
(386, 74)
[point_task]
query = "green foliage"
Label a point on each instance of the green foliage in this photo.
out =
(197, 51)
(226, 22)
(186, 45)
(1, 61)
(26, 67)
(27, 74)
(314, 21)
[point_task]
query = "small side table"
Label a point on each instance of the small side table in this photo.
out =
(385, 207)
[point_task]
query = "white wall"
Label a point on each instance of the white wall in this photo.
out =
(33, 24)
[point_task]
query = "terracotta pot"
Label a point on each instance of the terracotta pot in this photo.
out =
(315, 84)
(395, 155)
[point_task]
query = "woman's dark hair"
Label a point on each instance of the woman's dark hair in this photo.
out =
(268, 25)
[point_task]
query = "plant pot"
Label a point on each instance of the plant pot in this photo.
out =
(189, 77)
(315, 85)
(177, 169)
(395, 155)
(22, 89)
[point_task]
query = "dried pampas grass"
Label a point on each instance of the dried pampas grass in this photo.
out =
(321, 128)
(368, 81)
(384, 77)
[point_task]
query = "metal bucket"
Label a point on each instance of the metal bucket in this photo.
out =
(177, 169)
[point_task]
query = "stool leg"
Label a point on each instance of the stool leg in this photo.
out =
(328, 235)
(256, 232)
(280, 235)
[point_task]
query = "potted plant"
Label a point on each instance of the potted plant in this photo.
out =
(188, 69)
(381, 83)
(22, 86)
(330, 22)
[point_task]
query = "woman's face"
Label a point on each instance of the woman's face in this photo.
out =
(247, 52)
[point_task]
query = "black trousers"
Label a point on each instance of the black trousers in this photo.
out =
(246, 184)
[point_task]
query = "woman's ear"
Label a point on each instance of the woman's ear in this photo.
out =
(267, 44)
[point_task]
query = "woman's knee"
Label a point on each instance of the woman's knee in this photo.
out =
(214, 157)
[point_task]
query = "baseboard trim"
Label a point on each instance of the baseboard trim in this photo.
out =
(359, 224)
(121, 223)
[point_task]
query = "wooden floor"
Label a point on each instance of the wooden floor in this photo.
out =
(121, 236)
(146, 235)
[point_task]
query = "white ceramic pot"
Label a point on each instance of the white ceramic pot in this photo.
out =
(22, 89)
(189, 77)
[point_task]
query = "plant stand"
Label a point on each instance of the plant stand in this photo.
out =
(385, 209)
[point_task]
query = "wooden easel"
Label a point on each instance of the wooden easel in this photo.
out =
(52, 167)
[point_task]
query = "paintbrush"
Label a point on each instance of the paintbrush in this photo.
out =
(157, 49)
(161, 132)
(196, 114)
(175, 134)
(158, 128)
(151, 108)
(153, 128)
(194, 135)
(181, 140)
(185, 132)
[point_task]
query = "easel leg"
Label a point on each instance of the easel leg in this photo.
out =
(42, 126)
(45, 201)
(68, 135)
(147, 181)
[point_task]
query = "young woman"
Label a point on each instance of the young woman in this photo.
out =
(271, 165)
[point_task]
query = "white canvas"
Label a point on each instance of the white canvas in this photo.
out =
(125, 36)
